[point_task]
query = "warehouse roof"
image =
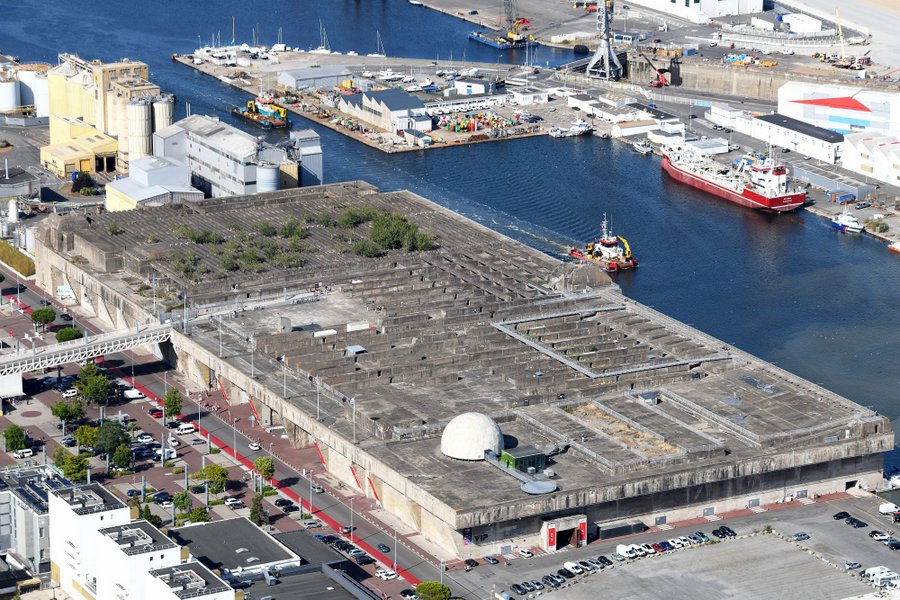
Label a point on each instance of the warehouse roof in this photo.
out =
(826, 135)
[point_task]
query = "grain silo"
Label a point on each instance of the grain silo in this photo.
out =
(139, 128)
(88, 104)
(112, 118)
(121, 114)
(9, 91)
(74, 92)
(268, 176)
(163, 111)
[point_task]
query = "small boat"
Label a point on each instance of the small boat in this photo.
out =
(846, 222)
(416, 3)
(379, 52)
(642, 147)
(557, 132)
(894, 247)
(607, 251)
(264, 112)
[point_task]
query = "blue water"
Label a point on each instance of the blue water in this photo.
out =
(787, 288)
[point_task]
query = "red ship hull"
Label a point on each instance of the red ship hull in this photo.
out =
(747, 198)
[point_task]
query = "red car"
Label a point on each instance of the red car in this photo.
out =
(154, 412)
(658, 548)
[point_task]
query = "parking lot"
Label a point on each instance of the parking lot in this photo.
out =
(753, 565)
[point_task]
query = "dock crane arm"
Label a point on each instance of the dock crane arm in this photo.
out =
(626, 246)
(661, 80)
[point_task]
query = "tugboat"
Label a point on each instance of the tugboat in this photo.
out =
(264, 112)
(607, 252)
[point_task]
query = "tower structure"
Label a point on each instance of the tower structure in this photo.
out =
(605, 64)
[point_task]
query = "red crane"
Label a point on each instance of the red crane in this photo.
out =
(660, 78)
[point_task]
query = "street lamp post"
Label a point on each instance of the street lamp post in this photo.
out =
(395, 550)
(310, 494)
(234, 430)
(351, 518)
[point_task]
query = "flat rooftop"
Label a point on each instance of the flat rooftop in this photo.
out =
(138, 537)
(309, 548)
(230, 544)
(31, 485)
(310, 586)
(89, 498)
(191, 580)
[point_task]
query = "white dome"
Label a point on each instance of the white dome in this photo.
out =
(468, 435)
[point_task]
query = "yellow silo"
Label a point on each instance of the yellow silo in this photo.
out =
(56, 87)
(74, 90)
(89, 104)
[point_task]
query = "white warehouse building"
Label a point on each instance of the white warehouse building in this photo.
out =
(872, 155)
(701, 11)
(785, 132)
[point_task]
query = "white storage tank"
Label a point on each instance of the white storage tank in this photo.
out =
(163, 111)
(268, 177)
(34, 90)
(12, 211)
(9, 92)
(140, 141)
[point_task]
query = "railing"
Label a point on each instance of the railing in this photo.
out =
(82, 349)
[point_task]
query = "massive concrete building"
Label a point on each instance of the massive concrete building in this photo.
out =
(607, 411)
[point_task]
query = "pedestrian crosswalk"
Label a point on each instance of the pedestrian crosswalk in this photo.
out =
(758, 509)
(712, 518)
(664, 527)
(806, 501)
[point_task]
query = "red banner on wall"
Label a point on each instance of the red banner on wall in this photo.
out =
(582, 532)
(551, 536)
(319, 452)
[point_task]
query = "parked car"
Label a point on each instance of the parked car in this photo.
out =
(862, 205)
(471, 563)
(550, 581)
(702, 536)
(800, 536)
(23, 453)
(666, 546)
(279, 502)
(383, 548)
(728, 531)
(142, 452)
(68, 441)
(133, 492)
(170, 454)
(517, 588)
(586, 566)
(491, 560)
(347, 529)
(289, 508)
(605, 561)
(878, 536)
(855, 523)
(564, 572)
(234, 503)
(318, 489)
(363, 559)
(173, 424)
(154, 412)
(162, 496)
(254, 446)
(525, 553)
(851, 565)
(537, 585)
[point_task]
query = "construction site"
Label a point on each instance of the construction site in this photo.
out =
(486, 394)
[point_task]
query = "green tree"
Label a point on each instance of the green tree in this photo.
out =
(433, 590)
(257, 513)
(265, 466)
(82, 181)
(73, 467)
(86, 435)
(172, 402)
(182, 501)
(121, 457)
(215, 476)
(67, 334)
(43, 316)
(14, 436)
(92, 384)
(68, 411)
(150, 517)
(110, 436)
(198, 515)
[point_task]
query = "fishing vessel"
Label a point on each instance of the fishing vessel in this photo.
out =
(611, 252)
(762, 186)
(264, 112)
(894, 247)
(846, 222)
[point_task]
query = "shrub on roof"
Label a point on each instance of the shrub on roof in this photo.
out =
(16, 260)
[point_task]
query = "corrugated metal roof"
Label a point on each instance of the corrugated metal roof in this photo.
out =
(826, 135)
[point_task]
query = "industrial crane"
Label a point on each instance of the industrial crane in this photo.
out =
(513, 25)
(660, 78)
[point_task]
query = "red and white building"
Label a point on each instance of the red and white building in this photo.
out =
(843, 109)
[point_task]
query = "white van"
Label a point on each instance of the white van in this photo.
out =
(133, 395)
(70, 393)
(888, 508)
(23, 453)
(186, 428)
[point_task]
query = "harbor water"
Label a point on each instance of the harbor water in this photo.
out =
(786, 288)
